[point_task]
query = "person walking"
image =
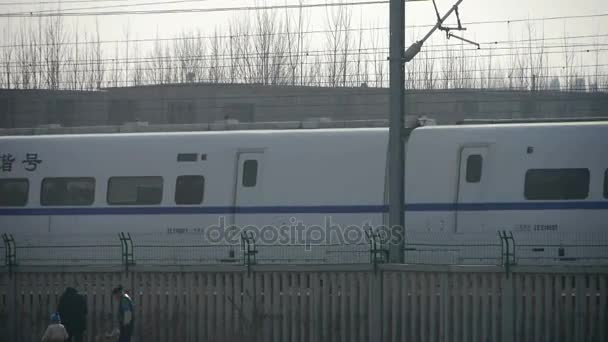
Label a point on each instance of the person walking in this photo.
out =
(55, 332)
(73, 311)
(125, 314)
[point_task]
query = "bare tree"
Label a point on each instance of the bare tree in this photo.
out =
(568, 69)
(295, 46)
(338, 44)
(269, 47)
(491, 77)
(189, 53)
(428, 76)
(126, 34)
(24, 58)
(360, 76)
(379, 61)
(156, 63)
(137, 76)
(448, 68)
(55, 52)
(216, 67)
(98, 71)
(272, 48)
(7, 59)
(115, 74)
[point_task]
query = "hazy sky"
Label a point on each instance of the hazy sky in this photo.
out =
(146, 26)
(377, 15)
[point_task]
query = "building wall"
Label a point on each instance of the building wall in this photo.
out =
(207, 103)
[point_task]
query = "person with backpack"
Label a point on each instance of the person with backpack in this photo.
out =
(72, 308)
(125, 314)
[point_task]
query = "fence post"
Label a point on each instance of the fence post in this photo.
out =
(126, 243)
(507, 246)
(375, 305)
(444, 307)
(508, 308)
(12, 307)
(248, 306)
(580, 307)
(249, 248)
(11, 252)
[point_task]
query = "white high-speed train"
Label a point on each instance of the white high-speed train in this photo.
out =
(537, 177)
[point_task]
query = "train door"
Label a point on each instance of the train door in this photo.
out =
(248, 194)
(471, 187)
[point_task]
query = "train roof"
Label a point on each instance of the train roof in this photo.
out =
(313, 131)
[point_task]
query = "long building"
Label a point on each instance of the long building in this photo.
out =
(209, 103)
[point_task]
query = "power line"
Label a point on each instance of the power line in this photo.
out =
(273, 7)
(352, 55)
(295, 34)
(194, 10)
(111, 6)
(55, 2)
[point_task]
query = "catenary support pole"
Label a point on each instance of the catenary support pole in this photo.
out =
(396, 125)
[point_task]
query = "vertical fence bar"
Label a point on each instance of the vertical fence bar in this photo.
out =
(558, 308)
(569, 308)
(342, 309)
(395, 300)
(548, 308)
(580, 307)
(603, 293)
(508, 309)
(386, 313)
(375, 306)
(538, 306)
(444, 305)
(424, 305)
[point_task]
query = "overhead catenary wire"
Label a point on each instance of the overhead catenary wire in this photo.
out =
(294, 33)
(60, 13)
(279, 58)
(55, 2)
(113, 6)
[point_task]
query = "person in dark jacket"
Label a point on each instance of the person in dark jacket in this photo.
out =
(73, 311)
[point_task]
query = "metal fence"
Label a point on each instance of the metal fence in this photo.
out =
(423, 248)
(327, 303)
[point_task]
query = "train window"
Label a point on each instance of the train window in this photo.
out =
(189, 189)
(13, 192)
(557, 184)
(474, 166)
(67, 191)
(250, 173)
(135, 190)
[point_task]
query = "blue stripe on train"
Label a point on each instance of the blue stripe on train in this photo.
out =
(322, 209)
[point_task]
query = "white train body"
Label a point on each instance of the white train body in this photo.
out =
(549, 177)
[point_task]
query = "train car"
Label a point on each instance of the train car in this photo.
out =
(543, 177)
(539, 177)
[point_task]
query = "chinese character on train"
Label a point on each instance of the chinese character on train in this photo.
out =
(31, 161)
(6, 163)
